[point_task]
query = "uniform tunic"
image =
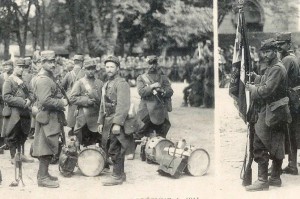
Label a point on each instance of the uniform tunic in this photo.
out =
(82, 91)
(151, 110)
(117, 105)
(17, 125)
(67, 83)
(50, 100)
(272, 87)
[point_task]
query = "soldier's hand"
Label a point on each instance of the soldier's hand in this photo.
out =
(27, 103)
(116, 129)
(91, 101)
(65, 102)
(100, 128)
(155, 85)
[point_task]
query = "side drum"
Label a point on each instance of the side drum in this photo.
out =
(91, 161)
(154, 149)
(198, 162)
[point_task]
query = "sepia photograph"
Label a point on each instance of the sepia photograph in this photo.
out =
(258, 66)
(109, 98)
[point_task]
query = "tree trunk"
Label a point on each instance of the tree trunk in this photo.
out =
(43, 26)
(6, 47)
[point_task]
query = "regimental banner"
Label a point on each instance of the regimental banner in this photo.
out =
(240, 68)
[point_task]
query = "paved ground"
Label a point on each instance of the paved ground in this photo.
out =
(193, 124)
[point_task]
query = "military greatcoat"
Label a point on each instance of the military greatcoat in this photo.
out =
(149, 104)
(67, 83)
(15, 97)
(49, 99)
(82, 91)
(272, 87)
(114, 109)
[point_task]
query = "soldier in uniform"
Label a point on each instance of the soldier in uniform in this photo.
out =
(86, 95)
(49, 119)
(114, 108)
(7, 70)
(67, 83)
(16, 113)
(155, 91)
(291, 64)
(269, 133)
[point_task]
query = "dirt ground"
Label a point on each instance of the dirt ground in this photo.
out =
(193, 124)
(233, 136)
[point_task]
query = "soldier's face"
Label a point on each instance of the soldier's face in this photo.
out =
(269, 54)
(90, 72)
(49, 65)
(8, 68)
(18, 70)
(111, 69)
(283, 47)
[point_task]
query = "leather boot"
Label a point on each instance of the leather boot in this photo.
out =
(275, 180)
(43, 179)
(262, 183)
(113, 180)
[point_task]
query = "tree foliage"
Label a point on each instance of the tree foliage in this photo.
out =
(99, 27)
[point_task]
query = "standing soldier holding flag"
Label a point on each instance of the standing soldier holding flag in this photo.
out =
(270, 93)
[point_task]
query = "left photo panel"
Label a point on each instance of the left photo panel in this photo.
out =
(110, 98)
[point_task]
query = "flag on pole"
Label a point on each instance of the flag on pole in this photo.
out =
(240, 67)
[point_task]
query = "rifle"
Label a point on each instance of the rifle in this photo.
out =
(63, 92)
(246, 172)
(18, 171)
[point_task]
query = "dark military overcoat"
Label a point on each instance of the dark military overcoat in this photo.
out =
(272, 87)
(49, 99)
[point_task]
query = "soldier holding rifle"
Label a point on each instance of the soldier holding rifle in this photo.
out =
(270, 93)
(156, 92)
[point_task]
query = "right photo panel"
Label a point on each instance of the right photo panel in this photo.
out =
(258, 103)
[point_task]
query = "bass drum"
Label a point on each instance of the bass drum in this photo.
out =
(154, 149)
(198, 162)
(91, 161)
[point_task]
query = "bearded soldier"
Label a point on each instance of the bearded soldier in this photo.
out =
(291, 64)
(155, 91)
(114, 108)
(270, 93)
(68, 82)
(16, 113)
(86, 95)
(49, 119)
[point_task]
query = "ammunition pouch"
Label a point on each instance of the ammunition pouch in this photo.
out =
(6, 112)
(42, 117)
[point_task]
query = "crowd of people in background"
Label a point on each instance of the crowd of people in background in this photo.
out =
(258, 65)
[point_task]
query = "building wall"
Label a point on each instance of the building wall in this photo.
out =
(273, 22)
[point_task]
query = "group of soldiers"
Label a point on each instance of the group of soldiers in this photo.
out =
(98, 112)
(275, 111)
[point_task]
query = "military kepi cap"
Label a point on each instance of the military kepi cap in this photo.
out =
(268, 44)
(20, 62)
(8, 62)
(89, 63)
(283, 37)
(78, 57)
(48, 55)
(151, 59)
(113, 59)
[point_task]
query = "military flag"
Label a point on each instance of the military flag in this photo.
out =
(240, 68)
